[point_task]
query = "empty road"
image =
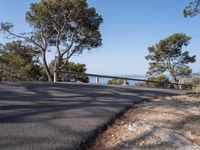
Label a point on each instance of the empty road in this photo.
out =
(49, 116)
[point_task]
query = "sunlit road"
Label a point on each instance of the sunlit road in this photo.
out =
(48, 116)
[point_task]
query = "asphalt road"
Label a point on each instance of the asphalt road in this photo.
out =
(48, 116)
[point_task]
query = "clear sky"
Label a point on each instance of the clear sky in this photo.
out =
(130, 26)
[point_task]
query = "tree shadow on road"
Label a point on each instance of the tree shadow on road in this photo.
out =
(66, 109)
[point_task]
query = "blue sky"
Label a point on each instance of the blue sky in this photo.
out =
(130, 26)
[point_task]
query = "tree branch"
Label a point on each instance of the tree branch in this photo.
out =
(71, 44)
(72, 53)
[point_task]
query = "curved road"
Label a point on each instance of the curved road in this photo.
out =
(48, 116)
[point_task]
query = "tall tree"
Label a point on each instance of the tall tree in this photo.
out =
(167, 56)
(64, 26)
(18, 62)
(192, 9)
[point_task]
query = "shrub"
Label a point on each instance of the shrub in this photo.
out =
(164, 82)
(197, 89)
(116, 82)
(187, 85)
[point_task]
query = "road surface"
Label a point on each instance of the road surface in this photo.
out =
(49, 116)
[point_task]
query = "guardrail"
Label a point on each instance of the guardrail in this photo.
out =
(126, 79)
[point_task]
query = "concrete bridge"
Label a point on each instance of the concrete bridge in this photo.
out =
(43, 116)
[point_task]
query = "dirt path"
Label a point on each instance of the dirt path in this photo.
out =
(163, 123)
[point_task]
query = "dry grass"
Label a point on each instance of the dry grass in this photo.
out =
(197, 89)
(164, 123)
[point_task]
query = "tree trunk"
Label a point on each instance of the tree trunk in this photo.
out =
(55, 75)
(46, 66)
(174, 77)
(57, 68)
(172, 73)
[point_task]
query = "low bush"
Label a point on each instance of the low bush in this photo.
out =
(197, 89)
(160, 82)
(116, 82)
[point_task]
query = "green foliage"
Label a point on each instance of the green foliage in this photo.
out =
(167, 56)
(116, 82)
(161, 78)
(67, 27)
(78, 68)
(71, 67)
(65, 22)
(160, 82)
(192, 9)
(18, 62)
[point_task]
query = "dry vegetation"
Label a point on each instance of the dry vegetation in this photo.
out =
(163, 123)
(197, 89)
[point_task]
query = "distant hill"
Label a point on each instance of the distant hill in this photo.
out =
(134, 76)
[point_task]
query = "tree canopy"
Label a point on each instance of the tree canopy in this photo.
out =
(192, 9)
(77, 72)
(63, 26)
(116, 81)
(18, 62)
(167, 56)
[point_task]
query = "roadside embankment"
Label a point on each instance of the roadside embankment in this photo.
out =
(162, 123)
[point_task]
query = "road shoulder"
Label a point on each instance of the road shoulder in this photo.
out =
(162, 123)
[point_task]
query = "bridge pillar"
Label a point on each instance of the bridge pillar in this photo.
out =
(125, 82)
(97, 80)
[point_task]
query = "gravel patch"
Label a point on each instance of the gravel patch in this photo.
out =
(165, 123)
